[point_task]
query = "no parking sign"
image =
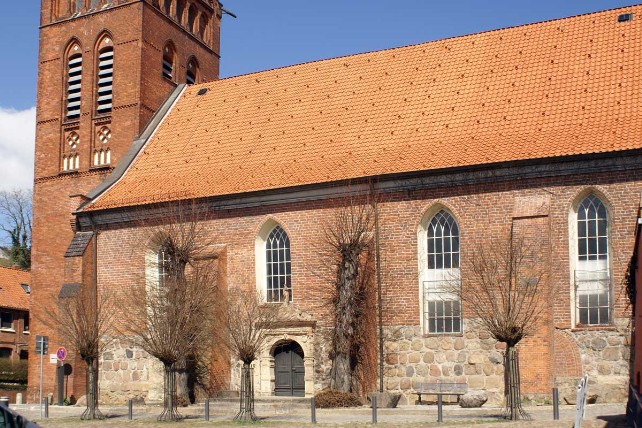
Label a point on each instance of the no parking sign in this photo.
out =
(61, 353)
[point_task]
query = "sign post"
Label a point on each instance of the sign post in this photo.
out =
(580, 406)
(61, 354)
(42, 346)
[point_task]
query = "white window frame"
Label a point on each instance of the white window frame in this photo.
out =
(429, 278)
(261, 260)
(589, 275)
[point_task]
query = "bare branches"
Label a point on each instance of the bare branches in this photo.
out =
(15, 221)
(83, 320)
(244, 322)
(505, 288)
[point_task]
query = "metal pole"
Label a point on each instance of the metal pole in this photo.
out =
(374, 409)
(130, 410)
(375, 206)
(313, 411)
(41, 355)
(207, 409)
(440, 410)
(556, 404)
(46, 408)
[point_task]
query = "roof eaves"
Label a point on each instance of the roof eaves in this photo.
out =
(136, 147)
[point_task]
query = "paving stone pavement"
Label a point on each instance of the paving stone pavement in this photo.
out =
(295, 415)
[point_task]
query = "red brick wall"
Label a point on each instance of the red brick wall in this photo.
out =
(481, 211)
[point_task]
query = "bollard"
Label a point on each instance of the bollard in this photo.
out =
(374, 409)
(556, 404)
(313, 411)
(440, 410)
(130, 410)
(46, 408)
(4, 401)
(207, 409)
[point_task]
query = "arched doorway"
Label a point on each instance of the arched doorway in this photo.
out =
(289, 370)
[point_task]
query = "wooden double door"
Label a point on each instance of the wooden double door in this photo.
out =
(289, 370)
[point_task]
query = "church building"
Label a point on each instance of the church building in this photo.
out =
(534, 129)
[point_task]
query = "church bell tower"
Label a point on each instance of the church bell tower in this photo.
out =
(105, 67)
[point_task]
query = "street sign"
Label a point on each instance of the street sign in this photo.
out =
(53, 359)
(61, 353)
(42, 345)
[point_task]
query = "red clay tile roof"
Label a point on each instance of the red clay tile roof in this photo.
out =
(557, 88)
(12, 295)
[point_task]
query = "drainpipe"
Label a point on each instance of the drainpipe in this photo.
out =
(375, 207)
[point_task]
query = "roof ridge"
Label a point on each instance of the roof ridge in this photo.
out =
(252, 73)
(15, 268)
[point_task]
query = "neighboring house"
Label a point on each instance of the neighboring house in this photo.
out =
(533, 129)
(14, 313)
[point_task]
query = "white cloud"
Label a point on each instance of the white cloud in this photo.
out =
(17, 139)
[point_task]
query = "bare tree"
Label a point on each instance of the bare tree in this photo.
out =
(242, 328)
(173, 318)
(84, 320)
(505, 290)
(15, 221)
(349, 250)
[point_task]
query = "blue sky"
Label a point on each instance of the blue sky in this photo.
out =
(273, 34)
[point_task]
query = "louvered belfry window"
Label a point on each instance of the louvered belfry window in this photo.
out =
(74, 80)
(168, 62)
(105, 80)
(190, 76)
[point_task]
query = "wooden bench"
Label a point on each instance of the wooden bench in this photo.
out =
(440, 389)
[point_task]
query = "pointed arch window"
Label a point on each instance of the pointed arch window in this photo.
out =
(442, 307)
(104, 98)
(278, 266)
(191, 75)
(592, 276)
(74, 84)
(168, 61)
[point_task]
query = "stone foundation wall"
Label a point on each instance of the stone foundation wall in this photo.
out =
(606, 358)
(127, 372)
(474, 358)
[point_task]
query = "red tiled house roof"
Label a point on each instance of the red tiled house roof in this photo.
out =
(12, 295)
(557, 88)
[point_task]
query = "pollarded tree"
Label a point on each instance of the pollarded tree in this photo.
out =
(349, 249)
(505, 288)
(173, 319)
(84, 319)
(242, 326)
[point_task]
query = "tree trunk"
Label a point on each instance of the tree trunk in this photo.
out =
(170, 412)
(182, 386)
(345, 309)
(512, 393)
(91, 392)
(246, 396)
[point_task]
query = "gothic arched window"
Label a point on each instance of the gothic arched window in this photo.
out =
(168, 61)
(191, 74)
(278, 266)
(442, 307)
(104, 99)
(74, 83)
(592, 278)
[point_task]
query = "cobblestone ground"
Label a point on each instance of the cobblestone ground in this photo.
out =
(284, 415)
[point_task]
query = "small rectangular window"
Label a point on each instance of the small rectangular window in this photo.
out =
(6, 320)
(26, 323)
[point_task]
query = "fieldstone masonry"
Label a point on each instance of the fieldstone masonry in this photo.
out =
(127, 372)
(474, 358)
